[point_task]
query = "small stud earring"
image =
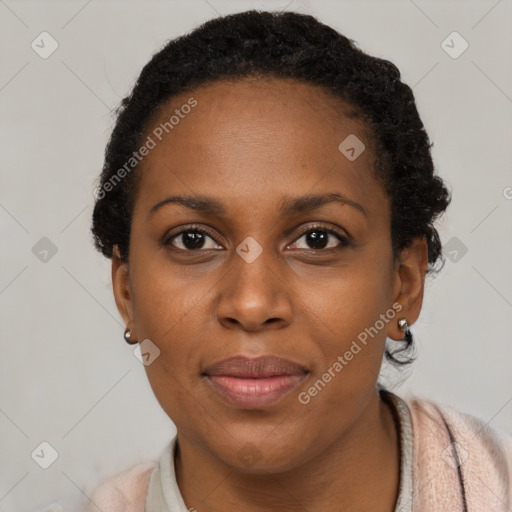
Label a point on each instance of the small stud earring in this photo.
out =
(404, 326)
(128, 337)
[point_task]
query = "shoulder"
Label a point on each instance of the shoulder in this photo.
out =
(474, 434)
(124, 492)
(453, 449)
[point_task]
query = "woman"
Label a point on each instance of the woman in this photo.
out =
(268, 202)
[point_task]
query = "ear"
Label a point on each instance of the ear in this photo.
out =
(122, 290)
(409, 284)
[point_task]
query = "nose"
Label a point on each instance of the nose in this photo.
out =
(254, 296)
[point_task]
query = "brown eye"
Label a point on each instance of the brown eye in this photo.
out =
(322, 237)
(192, 239)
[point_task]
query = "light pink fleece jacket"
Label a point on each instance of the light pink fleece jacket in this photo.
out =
(485, 467)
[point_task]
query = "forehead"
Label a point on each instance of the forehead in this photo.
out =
(261, 103)
(255, 141)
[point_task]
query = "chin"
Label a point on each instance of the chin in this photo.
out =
(262, 453)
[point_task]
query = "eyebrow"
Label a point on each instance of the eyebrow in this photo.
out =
(290, 206)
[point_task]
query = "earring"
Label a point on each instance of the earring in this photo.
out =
(404, 326)
(128, 337)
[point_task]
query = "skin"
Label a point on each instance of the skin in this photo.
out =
(251, 144)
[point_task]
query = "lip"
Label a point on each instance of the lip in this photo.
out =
(252, 383)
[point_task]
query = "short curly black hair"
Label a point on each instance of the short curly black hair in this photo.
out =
(282, 45)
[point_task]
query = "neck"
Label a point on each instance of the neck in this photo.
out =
(358, 471)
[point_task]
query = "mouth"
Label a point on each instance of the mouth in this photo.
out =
(255, 383)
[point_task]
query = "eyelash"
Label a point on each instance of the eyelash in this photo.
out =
(344, 241)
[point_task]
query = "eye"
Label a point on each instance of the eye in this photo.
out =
(192, 239)
(195, 238)
(319, 237)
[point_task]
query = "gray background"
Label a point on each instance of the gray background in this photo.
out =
(67, 377)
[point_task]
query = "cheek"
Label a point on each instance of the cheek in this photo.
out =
(348, 338)
(169, 315)
(165, 308)
(347, 301)
(164, 301)
(348, 316)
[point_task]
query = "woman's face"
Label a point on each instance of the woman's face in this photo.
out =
(268, 278)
